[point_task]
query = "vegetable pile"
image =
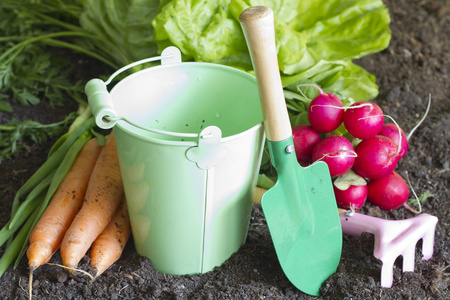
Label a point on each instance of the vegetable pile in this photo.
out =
(87, 209)
(361, 161)
(317, 42)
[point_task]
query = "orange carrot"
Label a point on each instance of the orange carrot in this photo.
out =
(108, 246)
(103, 195)
(48, 233)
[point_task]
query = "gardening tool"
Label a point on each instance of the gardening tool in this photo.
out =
(393, 238)
(300, 210)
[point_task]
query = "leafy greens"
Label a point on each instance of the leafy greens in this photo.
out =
(126, 24)
(317, 41)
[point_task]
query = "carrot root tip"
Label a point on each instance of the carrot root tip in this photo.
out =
(73, 270)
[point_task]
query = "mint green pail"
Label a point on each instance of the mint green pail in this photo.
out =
(189, 138)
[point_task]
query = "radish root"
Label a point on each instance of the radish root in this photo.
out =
(415, 197)
(309, 85)
(345, 108)
(326, 105)
(337, 154)
(399, 134)
(303, 94)
(362, 105)
(421, 120)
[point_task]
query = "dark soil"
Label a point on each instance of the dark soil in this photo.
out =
(416, 65)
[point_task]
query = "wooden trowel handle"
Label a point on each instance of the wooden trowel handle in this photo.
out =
(259, 31)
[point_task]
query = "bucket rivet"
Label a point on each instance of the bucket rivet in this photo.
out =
(289, 149)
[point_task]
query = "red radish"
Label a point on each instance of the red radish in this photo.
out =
(388, 192)
(376, 157)
(397, 135)
(352, 198)
(305, 139)
(337, 152)
(350, 190)
(363, 120)
(325, 112)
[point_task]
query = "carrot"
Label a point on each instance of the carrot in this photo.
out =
(108, 246)
(103, 194)
(48, 233)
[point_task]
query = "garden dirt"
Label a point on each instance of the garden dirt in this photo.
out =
(416, 65)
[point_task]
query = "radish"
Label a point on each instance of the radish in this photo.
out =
(388, 192)
(325, 112)
(337, 152)
(397, 135)
(376, 157)
(363, 120)
(305, 139)
(350, 191)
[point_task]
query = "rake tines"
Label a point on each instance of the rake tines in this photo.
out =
(393, 238)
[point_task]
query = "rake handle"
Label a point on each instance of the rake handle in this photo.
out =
(258, 26)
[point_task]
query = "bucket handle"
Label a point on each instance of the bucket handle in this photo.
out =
(101, 104)
(168, 56)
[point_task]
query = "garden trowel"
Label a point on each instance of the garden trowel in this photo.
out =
(300, 209)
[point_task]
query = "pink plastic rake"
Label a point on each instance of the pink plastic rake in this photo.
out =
(393, 238)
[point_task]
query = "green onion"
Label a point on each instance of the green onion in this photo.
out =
(8, 231)
(50, 164)
(13, 249)
(40, 187)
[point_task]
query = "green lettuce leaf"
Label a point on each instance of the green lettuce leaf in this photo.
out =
(343, 77)
(316, 40)
(202, 30)
(359, 28)
(306, 31)
(126, 24)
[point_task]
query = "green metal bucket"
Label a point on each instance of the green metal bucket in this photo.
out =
(190, 139)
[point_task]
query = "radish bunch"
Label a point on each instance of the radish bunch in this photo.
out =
(362, 172)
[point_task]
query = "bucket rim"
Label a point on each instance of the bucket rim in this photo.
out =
(155, 140)
(120, 121)
(188, 63)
